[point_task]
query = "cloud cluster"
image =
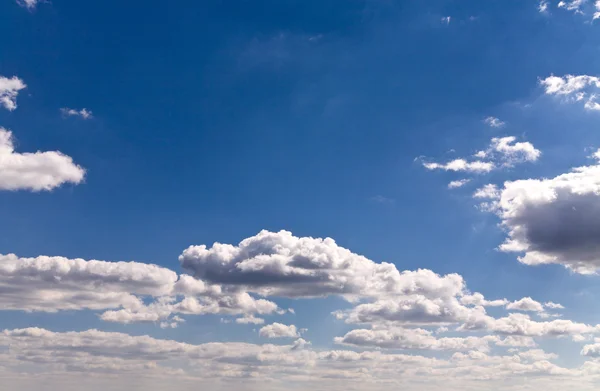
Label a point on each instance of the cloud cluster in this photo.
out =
(9, 89)
(245, 366)
(279, 330)
(35, 171)
(574, 88)
(53, 284)
(502, 152)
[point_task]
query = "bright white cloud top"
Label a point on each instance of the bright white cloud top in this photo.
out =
(574, 88)
(9, 89)
(35, 171)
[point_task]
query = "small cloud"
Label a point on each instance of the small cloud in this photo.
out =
(83, 113)
(446, 20)
(29, 4)
(9, 89)
(543, 6)
(494, 122)
(458, 183)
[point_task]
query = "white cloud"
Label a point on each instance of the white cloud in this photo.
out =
(476, 166)
(554, 220)
(526, 304)
(574, 88)
(554, 306)
(477, 299)
(458, 183)
(280, 264)
(543, 6)
(250, 319)
(512, 152)
(413, 339)
(9, 89)
(51, 284)
(572, 5)
(279, 330)
(34, 171)
(83, 113)
(597, 7)
(489, 191)
(521, 324)
(494, 122)
(446, 20)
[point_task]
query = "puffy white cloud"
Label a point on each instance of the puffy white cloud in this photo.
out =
(56, 283)
(516, 341)
(9, 89)
(458, 183)
(543, 6)
(476, 166)
(494, 122)
(508, 152)
(554, 220)
(279, 330)
(574, 88)
(521, 324)
(34, 171)
(401, 338)
(280, 264)
(526, 304)
(415, 310)
(83, 113)
(477, 299)
(250, 319)
(597, 7)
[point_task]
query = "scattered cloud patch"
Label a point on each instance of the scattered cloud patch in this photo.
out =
(458, 183)
(526, 304)
(83, 113)
(494, 122)
(9, 89)
(574, 88)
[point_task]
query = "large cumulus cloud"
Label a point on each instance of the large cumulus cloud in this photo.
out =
(554, 220)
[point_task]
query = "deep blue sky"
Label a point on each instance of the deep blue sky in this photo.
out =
(216, 119)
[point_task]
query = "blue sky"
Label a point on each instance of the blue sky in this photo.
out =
(185, 126)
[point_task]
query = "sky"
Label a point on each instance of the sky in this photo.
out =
(285, 194)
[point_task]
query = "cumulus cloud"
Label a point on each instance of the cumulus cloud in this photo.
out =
(477, 299)
(543, 6)
(413, 339)
(508, 152)
(554, 220)
(51, 284)
(458, 183)
(83, 113)
(526, 304)
(280, 264)
(574, 88)
(9, 89)
(35, 171)
(489, 191)
(502, 152)
(250, 319)
(523, 325)
(279, 330)
(494, 122)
